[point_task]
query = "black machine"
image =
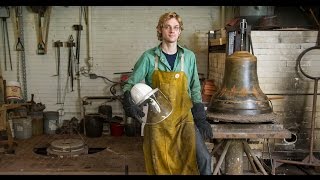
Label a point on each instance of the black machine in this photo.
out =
(238, 36)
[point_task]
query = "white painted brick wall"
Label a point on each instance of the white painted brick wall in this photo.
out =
(119, 36)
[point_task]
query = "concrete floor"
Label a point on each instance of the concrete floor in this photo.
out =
(108, 155)
(116, 154)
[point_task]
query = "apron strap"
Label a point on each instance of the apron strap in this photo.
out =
(156, 58)
(182, 62)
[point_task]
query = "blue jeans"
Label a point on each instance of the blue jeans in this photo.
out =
(203, 155)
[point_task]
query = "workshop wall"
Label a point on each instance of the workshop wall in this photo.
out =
(119, 36)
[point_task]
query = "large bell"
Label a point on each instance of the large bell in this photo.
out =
(240, 93)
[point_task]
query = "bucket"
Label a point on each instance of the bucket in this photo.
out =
(13, 90)
(37, 123)
(22, 128)
(93, 125)
(50, 121)
(106, 110)
(117, 129)
(130, 127)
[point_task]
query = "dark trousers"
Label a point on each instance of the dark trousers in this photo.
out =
(203, 155)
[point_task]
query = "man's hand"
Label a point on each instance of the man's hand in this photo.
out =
(199, 116)
(130, 108)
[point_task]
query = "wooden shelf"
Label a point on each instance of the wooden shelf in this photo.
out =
(218, 41)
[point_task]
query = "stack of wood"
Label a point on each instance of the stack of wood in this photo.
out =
(208, 89)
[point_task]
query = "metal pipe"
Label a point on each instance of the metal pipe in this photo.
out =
(247, 147)
(251, 160)
(314, 111)
(97, 97)
(215, 172)
(222, 16)
(89, 39)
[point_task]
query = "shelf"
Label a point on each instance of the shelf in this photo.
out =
(218, 41)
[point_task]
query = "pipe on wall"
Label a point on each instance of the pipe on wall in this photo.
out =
(222, 16)
(89, 39)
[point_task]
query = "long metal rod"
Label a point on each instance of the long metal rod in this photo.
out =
(246, 146)
(8, 42)
(251, 160)
(314, 111)
(217, 147)
(215, 172)
(4, 46)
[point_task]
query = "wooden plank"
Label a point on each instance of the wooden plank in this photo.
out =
(217, 42)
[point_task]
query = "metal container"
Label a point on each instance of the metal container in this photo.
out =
(22, 127)
(50, 121)
(37, 123)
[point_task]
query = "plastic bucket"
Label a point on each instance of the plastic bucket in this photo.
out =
(22, 128)
(93, 125)
(117, 129)
(50, 121)
(13, 90)
(37, 123)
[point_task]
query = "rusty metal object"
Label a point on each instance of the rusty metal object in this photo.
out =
(240, 93)
(251, 131)
(217, 117)
(67, 148)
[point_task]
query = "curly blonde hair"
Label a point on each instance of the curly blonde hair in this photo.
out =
(164, 18)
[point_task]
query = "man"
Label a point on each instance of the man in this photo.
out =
(175, 145)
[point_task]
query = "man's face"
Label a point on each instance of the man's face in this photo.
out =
(171, 31)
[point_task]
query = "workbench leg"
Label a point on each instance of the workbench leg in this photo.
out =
(247, 147)
(10, 139)
(250, 158)
(223, 154)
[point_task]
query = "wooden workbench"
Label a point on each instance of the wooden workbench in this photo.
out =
(4, 124)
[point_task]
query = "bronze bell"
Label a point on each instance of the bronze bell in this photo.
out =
(240, 93)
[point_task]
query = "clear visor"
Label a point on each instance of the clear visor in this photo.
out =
(159, 107)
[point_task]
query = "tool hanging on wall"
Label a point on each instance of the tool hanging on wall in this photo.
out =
(78, 28)
(58, 44)
(70, 44)
(42, 17)
(4, 14)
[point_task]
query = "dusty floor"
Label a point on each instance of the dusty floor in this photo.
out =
(107, 155)
(118, 155)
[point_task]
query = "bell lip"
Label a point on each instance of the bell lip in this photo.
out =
(147, 96)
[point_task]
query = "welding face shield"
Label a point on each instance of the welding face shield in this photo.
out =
(159, 106)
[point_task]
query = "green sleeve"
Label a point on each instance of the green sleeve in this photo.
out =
(195, 86)
(139, 72)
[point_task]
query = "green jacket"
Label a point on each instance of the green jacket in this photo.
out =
(144, 67)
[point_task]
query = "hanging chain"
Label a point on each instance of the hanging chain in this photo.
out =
(18, 67)
(23, 60)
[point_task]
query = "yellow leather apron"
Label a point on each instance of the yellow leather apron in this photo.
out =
(169, 146)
